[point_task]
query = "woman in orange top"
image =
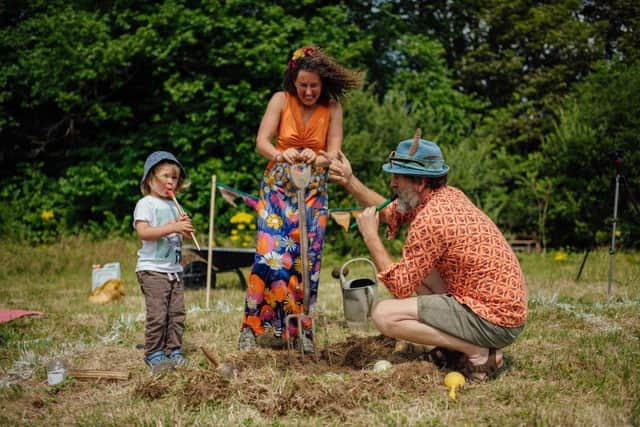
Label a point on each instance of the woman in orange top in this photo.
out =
(306, 122)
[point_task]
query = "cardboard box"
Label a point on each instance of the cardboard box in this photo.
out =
(103, 273)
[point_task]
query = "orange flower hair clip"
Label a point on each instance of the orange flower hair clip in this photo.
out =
(299, 53)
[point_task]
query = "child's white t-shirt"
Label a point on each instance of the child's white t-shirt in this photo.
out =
(162, 255)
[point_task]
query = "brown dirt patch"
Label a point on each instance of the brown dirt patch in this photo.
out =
(278, 382)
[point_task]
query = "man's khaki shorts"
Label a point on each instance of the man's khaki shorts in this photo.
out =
(445, 313)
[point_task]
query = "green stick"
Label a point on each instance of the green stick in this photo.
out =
(378, 209)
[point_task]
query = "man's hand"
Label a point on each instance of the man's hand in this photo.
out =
(340, 169)
(324, 159)
(368, 222)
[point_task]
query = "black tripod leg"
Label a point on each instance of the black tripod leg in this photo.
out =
(584, 261)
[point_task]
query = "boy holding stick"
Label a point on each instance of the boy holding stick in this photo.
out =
(161, 225)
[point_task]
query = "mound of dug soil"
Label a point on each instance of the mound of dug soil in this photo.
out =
(277, 382)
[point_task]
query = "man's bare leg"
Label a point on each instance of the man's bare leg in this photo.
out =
(398, 318)
(433, 284)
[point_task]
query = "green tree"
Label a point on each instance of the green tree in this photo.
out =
(89, 92)
(597, 124)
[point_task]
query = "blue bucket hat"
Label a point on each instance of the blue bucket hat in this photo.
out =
(158, 157)
(417, 157)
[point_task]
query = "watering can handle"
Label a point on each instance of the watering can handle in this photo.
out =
(373, 267)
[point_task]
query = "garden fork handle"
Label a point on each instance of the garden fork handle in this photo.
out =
(304, 248)
(301, 177)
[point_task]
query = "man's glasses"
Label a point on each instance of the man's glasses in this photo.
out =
(434, 165)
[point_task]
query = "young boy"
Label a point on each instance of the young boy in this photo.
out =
(161, 228)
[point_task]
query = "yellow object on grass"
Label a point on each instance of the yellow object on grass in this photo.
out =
(453, 380)
(110, 290)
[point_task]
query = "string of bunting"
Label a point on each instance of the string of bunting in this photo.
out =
(342, 216)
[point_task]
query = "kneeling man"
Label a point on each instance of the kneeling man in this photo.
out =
(471, 296)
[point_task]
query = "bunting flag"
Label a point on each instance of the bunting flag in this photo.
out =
(342, 219)
(341, 216)
(231, 195)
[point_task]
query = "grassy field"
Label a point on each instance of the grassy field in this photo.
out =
(576, 363)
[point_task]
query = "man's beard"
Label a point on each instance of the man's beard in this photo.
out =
(408, 200)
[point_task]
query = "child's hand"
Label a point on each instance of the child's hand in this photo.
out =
(183, 225)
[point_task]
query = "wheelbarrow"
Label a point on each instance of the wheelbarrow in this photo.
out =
(222, 259)
(358, 294)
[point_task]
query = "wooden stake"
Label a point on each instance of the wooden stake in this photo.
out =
(212, 210)
(209, 357)
(96, 374)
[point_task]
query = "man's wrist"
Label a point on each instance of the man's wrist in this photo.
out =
(351, 184)
(377, 251)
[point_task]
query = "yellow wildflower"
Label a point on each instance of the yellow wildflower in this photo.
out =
(560, 256)
(46, 215)
(242, 218)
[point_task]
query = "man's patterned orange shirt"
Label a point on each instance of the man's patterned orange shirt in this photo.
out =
(449, 233)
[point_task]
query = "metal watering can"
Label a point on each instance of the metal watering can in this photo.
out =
(358, 295)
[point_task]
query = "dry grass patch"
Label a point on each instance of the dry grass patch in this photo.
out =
(576, 363)
(280, 382)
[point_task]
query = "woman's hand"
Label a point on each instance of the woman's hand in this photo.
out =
(290, 155)
(307, 155)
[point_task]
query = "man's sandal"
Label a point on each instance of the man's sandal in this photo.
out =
(444, 358)
(486, 371)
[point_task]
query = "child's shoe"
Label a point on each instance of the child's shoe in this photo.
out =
(156, 358)
(176, 358)
(158, 362)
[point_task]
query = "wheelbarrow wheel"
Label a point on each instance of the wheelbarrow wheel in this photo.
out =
(195, 275)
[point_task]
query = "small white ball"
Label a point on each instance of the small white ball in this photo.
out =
(381, 366)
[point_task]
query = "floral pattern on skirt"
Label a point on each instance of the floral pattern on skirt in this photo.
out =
(275, 287)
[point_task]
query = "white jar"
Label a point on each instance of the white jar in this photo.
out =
(56, 371)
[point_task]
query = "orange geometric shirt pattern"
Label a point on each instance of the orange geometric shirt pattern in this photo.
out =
(449, 233)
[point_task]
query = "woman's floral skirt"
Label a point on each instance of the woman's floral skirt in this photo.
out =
(275, 288)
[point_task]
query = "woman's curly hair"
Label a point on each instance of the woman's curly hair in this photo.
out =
(337, 80)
